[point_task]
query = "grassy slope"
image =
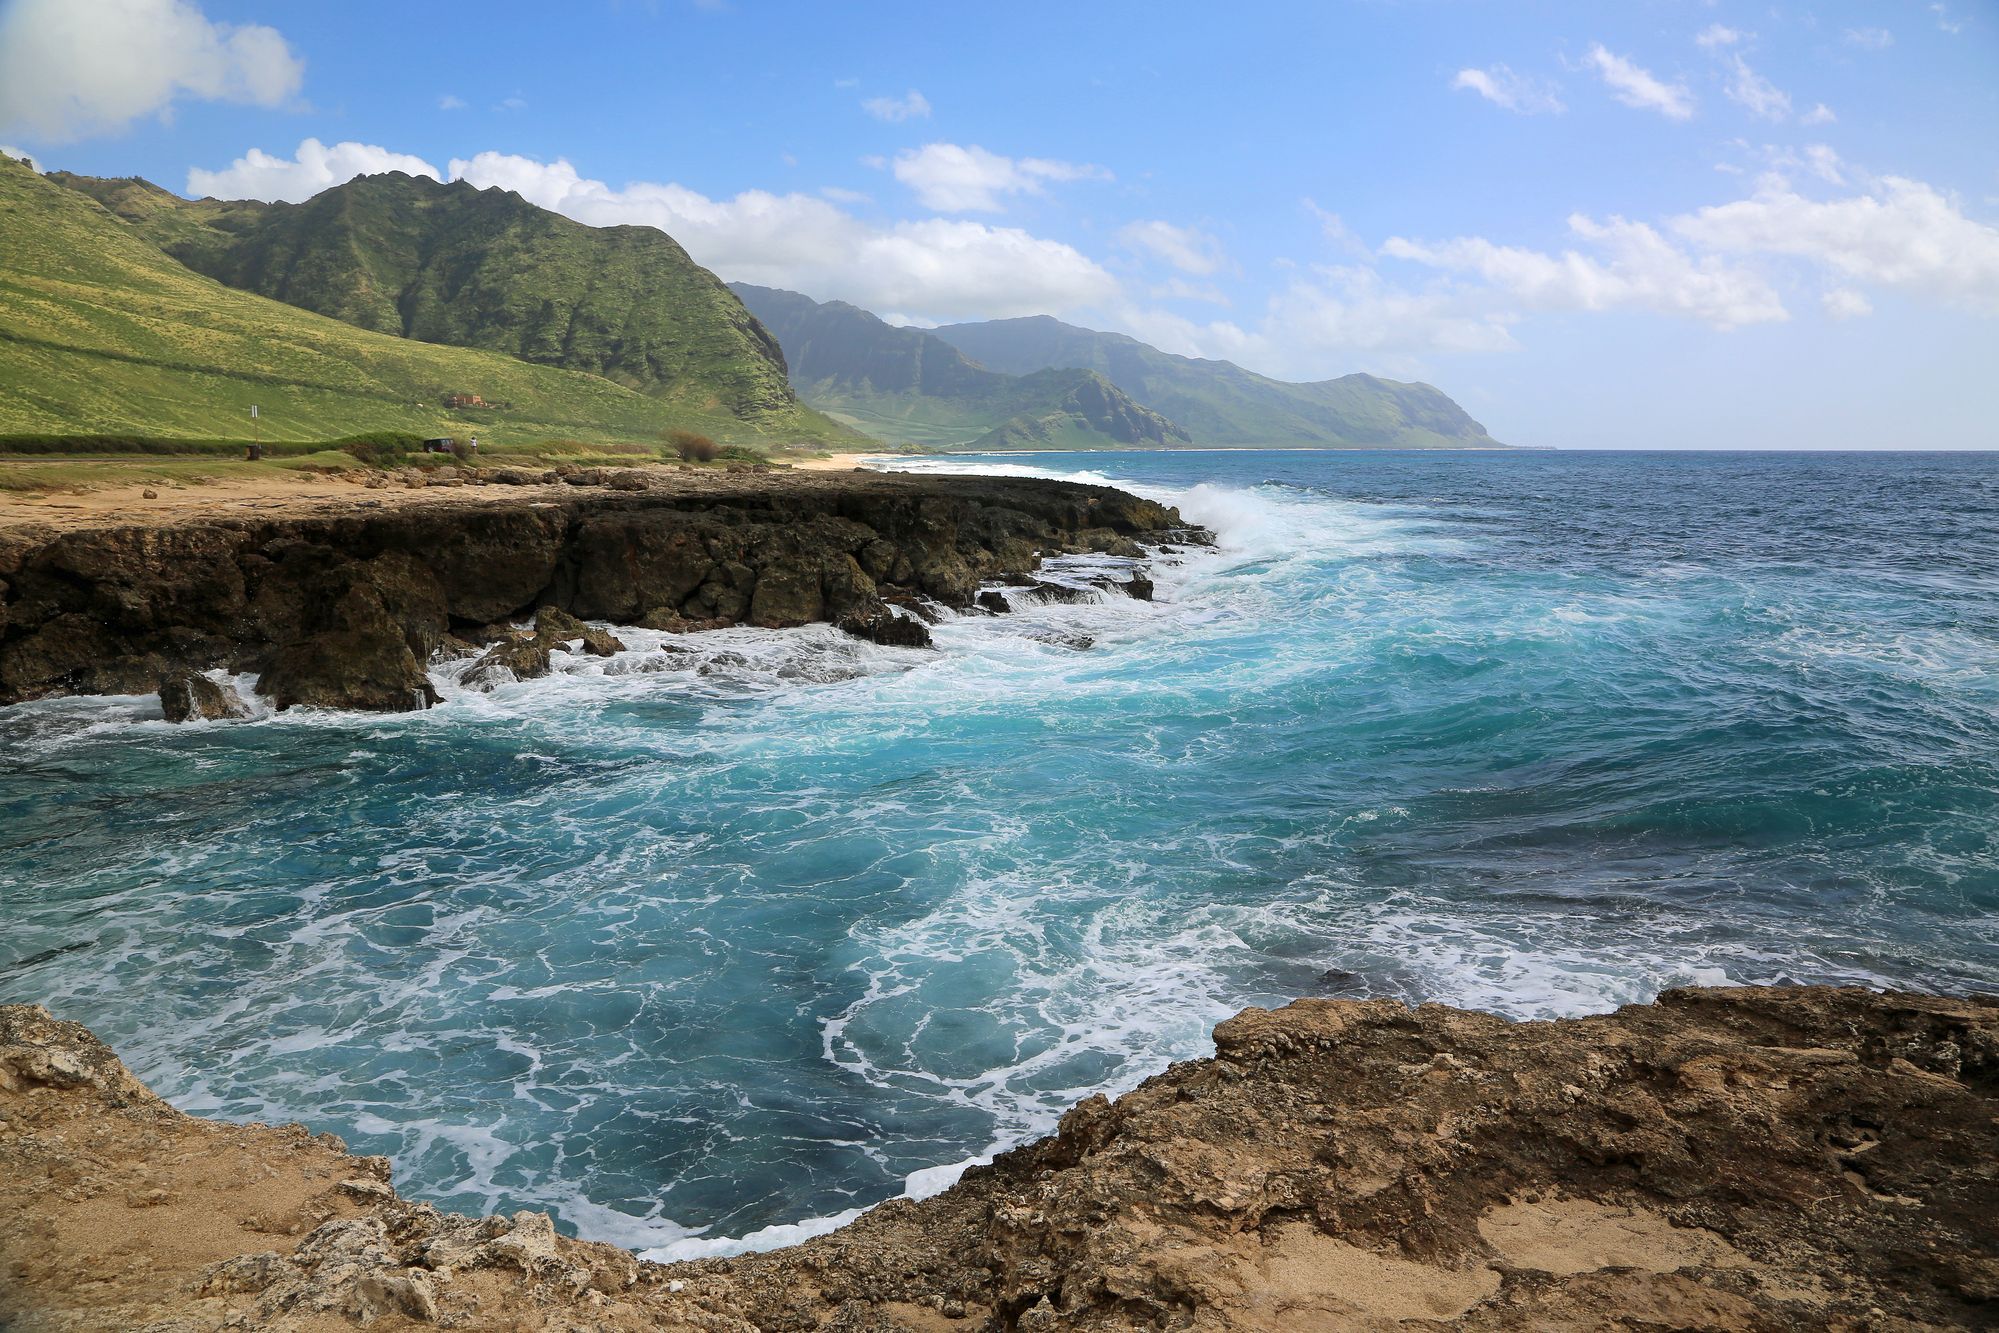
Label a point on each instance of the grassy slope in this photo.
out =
(105, 333)
(904, 385)
(465, 267)
(1221, 403)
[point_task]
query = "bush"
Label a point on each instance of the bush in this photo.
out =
(693, 448)
(381, 448)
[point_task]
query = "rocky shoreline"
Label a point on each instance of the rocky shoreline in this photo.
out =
(347, 606)
(1722, 1159)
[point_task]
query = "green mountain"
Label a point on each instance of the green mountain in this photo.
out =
(453, 264)
(1219, 402)
(904, 385)
(104, 333)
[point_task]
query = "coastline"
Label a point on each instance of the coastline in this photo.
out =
(346, 602)
(1718, 1159)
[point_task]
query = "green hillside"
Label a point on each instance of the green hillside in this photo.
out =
(904, 385)
(454, 264)
(1219, 402)
(104, 333)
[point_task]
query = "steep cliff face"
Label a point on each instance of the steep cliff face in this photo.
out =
(1724, 1159)
(345, 608)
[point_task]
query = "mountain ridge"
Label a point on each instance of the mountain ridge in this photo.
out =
(106, 333)
(455, 265)
(912, 388)
(1221, 403)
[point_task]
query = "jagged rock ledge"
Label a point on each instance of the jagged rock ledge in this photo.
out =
(345, 606)
(1723, 1159)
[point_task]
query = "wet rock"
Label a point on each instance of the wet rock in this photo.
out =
(672, 622)
(522, 657)
(361, 659)
(890, 629)
(1058, 592)
(1137, 587)
(186, 696)
(993, 600)
(556, 625)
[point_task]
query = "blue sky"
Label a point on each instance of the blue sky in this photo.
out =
(1640, 225)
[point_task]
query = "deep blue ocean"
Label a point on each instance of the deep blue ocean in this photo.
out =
(744, 930)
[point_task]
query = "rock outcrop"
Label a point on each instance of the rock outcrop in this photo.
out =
(1723, 1159)
(344, 608)
(188, 697)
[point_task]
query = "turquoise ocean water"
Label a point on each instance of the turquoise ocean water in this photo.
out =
(735, 933)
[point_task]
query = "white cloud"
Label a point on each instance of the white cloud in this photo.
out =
(1897, 233)
(18, 154)
(1845, 303)
(1635, 268)
(1824, 163)
(933, 268)
(1715, 35)
(841, 195)
(911, 106)
(1752, 90)
(1186, 248)
(315, 167)
(450, 102)
(1871, 39)
(1638, 87)
(1502, 87)
(954, 178)
(1820, 114)
(1180, 289)
(1945, 20)
(70, 69)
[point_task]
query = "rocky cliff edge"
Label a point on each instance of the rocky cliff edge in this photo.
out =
(1722, 1159)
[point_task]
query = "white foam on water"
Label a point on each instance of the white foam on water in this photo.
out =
(923, 1184)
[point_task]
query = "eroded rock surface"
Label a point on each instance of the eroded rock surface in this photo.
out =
(344, 607)
(1724, 1159)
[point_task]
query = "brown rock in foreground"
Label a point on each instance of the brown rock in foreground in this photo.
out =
(344, 605)
(1724, 1159)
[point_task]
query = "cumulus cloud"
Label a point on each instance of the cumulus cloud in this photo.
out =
(1186, 248)
(1717, 35)
(450, 102)
(1638, 87)
(933, 268)
(1896, 233)
(1820, 114)
(1633, 267)
(69, 70)
(1870, 39)
(954, 178)
(1845, 303)
(1515, 92)
(910, 106)
(315, 167)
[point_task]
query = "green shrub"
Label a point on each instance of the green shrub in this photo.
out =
(381, 448)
